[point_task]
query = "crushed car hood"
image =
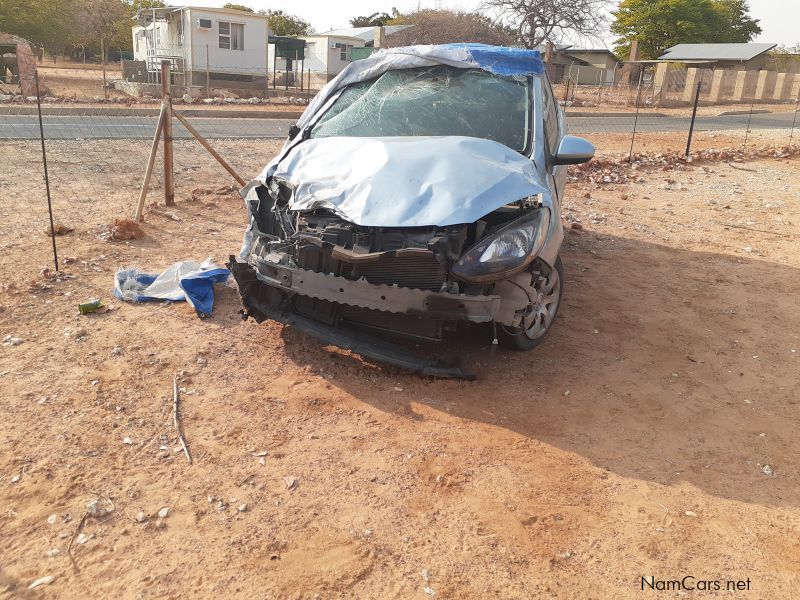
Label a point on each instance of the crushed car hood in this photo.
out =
(407, 181)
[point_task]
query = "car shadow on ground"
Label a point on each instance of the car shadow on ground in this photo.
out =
(665, 365)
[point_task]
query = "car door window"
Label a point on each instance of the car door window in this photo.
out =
(550, 117)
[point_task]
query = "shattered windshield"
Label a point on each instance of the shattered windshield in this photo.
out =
(432, 101)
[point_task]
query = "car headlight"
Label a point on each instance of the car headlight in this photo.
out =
(506, 252)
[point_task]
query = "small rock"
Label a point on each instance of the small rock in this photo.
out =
(242, 507)
(99, 508)
(141, 517)
(82, 538)
(10, 340)
(162, 514)
(428, 591)
(767, 470)
(16, 478)
(221, 506)
(127, 441)
(397, 388)
(210, 499)
(262, 453)
(566, 393)
(46, 580)
(52, 519)
(291, 482)
(690, 513)
(116, 351)
(53, 552)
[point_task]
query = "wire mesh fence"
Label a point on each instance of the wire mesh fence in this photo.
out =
(97, 152)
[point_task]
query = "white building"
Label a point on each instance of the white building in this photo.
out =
(328, 53)
(225, 46)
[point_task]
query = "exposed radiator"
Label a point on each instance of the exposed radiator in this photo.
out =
(421, 271)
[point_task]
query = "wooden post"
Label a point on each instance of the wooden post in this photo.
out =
(103, 63)
(169, 182)
(150, 162)
(208, 147)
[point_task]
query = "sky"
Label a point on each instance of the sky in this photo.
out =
(780, 19)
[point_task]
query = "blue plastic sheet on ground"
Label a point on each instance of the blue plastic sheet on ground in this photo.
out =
(187, 280)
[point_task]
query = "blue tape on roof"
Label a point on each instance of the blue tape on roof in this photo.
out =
(502, 60)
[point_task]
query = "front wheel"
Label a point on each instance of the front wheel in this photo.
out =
(544, 293)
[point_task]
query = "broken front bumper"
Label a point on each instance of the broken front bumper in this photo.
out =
(273, 271)
(274, 305)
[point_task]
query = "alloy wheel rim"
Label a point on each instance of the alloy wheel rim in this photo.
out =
(546, 290)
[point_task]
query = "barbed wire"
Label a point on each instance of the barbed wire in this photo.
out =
(97, 152)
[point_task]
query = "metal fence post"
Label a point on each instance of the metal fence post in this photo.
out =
(103, 64)
(44, 163)
(694, 116)
(794, 120)
(749, 120)
(208, 76)
(169, 182)
(636, 118)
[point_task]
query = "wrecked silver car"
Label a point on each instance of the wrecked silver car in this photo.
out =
(419, 190)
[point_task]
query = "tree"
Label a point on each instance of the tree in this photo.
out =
(445, 27)
(45, 23)
(784, 57)
(99, 20)
(62, 26)
(538, 21)
(375, 19)
(661, 24)
(736, 26)
(281, 23)
(238, 7)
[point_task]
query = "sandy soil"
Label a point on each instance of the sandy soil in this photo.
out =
(654, 433)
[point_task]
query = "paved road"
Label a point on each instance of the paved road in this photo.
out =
(100, 127)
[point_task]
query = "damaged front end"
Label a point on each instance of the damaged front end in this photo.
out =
(352, 285)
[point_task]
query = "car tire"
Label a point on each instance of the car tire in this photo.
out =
(540, 319)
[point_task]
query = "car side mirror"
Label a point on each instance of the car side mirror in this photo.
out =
(293, 131)
(573, 151)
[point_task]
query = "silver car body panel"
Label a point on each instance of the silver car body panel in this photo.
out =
(407, 181)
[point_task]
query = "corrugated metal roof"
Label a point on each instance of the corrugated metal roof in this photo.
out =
(741, 52)
(364, 33)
